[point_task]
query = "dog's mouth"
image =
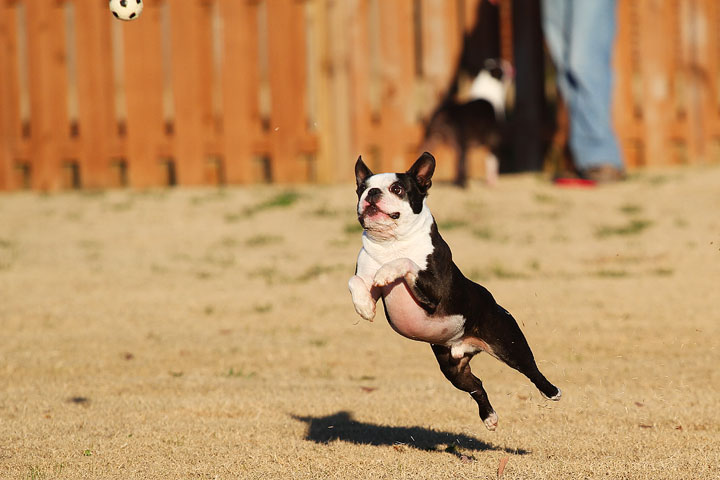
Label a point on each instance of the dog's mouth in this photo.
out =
(371, 210)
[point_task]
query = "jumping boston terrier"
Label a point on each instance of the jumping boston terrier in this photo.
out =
(405, 261)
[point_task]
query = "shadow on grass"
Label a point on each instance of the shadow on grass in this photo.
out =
(342, 426)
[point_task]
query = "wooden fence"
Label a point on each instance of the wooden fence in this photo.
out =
(667, 59)
(245, 91)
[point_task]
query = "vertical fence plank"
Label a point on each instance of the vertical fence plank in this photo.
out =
(625, 113)
(694, 35)
(506, 39)
(240, 86)
(655, 82)
(9, 94)
(360, 78)
(441, 43)
(191, 74)
(333, 21)
(712, 12)
(287, 75)
(323, 65)
(472, 7)
(398, 137)
(442, 39)
(678, 118)
(207, 78)
(142, 43)
(96, 93)
(47, 75)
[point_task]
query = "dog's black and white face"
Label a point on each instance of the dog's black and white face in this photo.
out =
(390, 204)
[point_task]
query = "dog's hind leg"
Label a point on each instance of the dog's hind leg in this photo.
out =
(457, 370)
(507, 343)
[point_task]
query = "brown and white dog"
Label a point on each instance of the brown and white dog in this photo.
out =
(406, 262)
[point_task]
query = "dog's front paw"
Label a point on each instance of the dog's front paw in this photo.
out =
(365, 309)
(362, 299)
(391, 271)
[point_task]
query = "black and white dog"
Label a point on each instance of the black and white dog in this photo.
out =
(476, 121)
(405, 261)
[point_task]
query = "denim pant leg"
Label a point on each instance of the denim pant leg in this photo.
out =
(580, 36)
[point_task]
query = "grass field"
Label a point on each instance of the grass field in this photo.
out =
(210, 334)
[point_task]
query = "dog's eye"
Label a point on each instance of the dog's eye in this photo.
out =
(397, 189)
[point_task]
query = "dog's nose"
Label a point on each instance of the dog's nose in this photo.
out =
(373, 194)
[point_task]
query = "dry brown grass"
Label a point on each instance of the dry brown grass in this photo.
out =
(204, 334)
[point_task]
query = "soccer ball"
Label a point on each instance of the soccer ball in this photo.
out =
(126, 9)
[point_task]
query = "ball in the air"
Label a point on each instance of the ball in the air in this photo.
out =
(126, 9)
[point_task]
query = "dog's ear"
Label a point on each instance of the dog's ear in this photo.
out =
(361, 171)
(422, 170)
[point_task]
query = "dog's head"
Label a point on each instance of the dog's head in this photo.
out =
(390, 204)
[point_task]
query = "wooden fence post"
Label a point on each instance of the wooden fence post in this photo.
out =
(288, 84)
(399, 131)
(655, 45)
(97, 127)
(443, 31)
(506, 34)
(359, 85)
(142, 43)
(442, 38)
(47, 74)
(626, 111)
(332, 21)
(694, 68)
(9, 94)
(240, 85)
(712, 106)
(192, 82)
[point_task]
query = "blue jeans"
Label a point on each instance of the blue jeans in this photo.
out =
(580, 35)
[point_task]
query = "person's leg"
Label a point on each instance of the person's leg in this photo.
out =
(589, 78)
(555, 22)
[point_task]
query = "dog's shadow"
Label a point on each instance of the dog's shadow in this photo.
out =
(341, 426)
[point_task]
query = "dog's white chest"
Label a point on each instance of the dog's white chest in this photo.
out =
(417, 251)
(405, 315)
(416, 245)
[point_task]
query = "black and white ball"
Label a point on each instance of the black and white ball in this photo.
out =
(126, 9)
